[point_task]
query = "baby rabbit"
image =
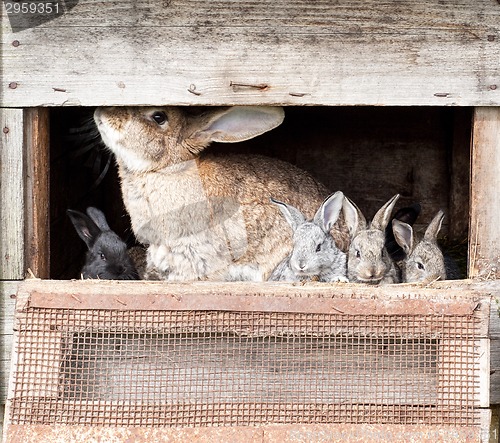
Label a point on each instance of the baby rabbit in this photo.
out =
(201, 214)
(107, 256)
(424, 260)
(368, 260)
(314, 253)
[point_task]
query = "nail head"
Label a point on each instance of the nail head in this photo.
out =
(6, 130)
(493, 87)
(12, 85)
(15, 43)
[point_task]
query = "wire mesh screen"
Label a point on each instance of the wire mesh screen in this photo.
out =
(213, 368)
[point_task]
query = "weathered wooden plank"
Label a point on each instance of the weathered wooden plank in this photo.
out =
(392, 298)
(11, 195)
(225, 368)
(484, 372)
(7, 304)
(290, 52)
(348, 433)
(494, 425)
(37, 246)
(495, 372)
(484, 238)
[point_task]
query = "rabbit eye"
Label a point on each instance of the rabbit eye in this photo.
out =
(159, 117)
(358, 254)
(103, 257)
(420, 266)
(318, 248)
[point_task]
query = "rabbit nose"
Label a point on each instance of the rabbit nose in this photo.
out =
(302, 265)
(372, 274)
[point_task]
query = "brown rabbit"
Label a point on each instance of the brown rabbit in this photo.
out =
(206, 216)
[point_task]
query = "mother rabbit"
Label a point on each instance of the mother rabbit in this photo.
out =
(206, 216)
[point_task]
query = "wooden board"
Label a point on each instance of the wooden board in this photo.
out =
(256, 434)
(37, 244)
(11, 195)
(7, 289)
(294, 52)
(484, 237)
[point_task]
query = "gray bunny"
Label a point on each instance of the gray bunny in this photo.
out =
(315, 255)
(424, 259)
(368, 260)
(107, 256)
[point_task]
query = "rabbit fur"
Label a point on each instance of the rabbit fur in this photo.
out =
(424, 259)
(206, 216)
(408, 214)
(314, 254)
(107, 256)
(368, 260)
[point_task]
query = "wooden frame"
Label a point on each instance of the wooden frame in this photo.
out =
(356, 52)
(467, 299)
(286, 53)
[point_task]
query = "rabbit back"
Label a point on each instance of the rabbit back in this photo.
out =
(217, 213)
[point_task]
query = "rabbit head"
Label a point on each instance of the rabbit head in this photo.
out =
(368, 260)
(151, 138)
(107, 256)
(424, 261)
(314, 252)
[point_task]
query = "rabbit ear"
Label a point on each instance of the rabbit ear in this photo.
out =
(403, 233)
(98, 218)
(329, 211)
(354, 218)
(85, 227)
(292, 215)
(235, 124)
(432, 230)
(383, 215)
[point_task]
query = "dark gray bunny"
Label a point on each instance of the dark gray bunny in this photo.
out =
(107, 256)
(314, 254)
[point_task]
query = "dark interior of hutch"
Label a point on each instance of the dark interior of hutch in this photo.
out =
(370, 153)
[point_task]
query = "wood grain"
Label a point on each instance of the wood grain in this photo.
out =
(290, 52)
(37, 243)
(298, 433)
(6, 332)
(11, 195)
(484, 237)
